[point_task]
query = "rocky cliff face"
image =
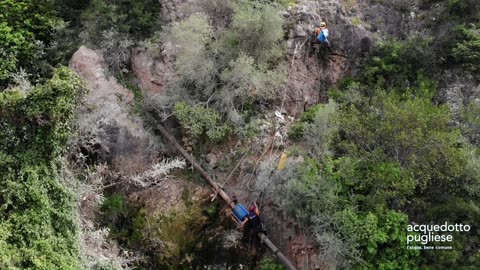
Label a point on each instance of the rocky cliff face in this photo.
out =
(355, 26)
(458, 88)
(313, 71)
(118, 137)
(113, 135)
(309, 77)
(154, 72)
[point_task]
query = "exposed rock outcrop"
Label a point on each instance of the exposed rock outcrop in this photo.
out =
(458, 88)
(316, 70)
(173, 207)
(345, 35)
(154, 73)
(120, 137)
(354, 28)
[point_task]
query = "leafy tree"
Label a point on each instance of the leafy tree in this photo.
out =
(25, 28)
(467, 51)
(136, 18)
(297, 131)
(415, 133)
(198, 121)
(221, 67)
(31, 18)
(244, 83)
(255, 30)
(381, 236)
(399, 152)
(396, 158)
(195, 63)
(36, 211)
(368, 235)
(318, 134)
(396, 64)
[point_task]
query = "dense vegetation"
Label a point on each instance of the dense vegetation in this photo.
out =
(381, 156)
(233, 69)
(25, 29)
(38, 225)
(383, 153)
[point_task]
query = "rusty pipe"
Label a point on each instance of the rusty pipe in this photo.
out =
(264, 239)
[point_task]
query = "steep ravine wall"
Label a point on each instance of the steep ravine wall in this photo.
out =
(355, 27)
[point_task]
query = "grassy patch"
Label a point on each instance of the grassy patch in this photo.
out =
(356, 21)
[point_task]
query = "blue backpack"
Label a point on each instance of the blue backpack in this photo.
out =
(323, 37)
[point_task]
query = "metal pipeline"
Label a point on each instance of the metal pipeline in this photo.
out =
(263, 238)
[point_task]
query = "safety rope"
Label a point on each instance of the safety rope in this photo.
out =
(230, 175)
(270, 146)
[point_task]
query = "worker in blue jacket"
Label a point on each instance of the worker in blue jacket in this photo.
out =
(322, 34)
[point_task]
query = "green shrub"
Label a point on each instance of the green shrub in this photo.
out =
(396, 63)
(302, 194)
(170, 236)
(71, 10)
(381, 238)
(252, 129)
(463, 8)
(128, 81)
(356, 21)
(232, 67)
(296, 132)
(396, 158)
(319, 133)
(114, 206)
(395, 154)
(198, 121)
(194, 64)
(470, 122)
(270, 264)
(38, 227)
(415, 133)
(105, 266)
(25, 32)
(325, 199)
(315, 124)
(116, 49)
(136, 18)
(473, 171)
(245, 83)
(284, 3)
(220, 12)
(402, 146)
(467, 50)
(255, 30)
